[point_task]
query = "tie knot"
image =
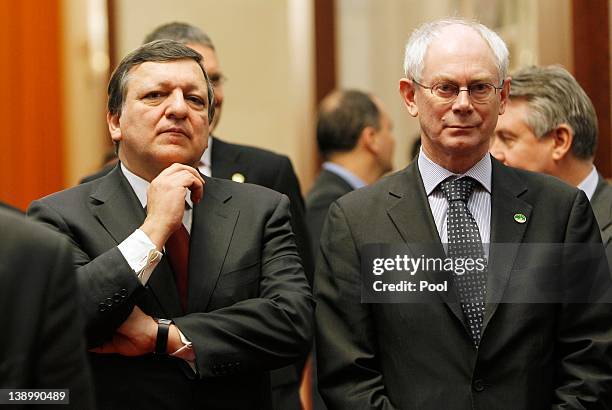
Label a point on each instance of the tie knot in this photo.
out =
(458, 189)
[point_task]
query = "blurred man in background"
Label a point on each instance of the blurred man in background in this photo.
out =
(550, 126)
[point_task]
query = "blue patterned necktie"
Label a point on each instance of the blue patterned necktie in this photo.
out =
(464, 242)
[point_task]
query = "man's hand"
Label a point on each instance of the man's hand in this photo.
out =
(166, 201)
(135, 337)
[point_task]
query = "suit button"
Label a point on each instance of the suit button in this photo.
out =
(102, 307)
(123, 292)
(116, 298)
(478, 385)
(109, 302)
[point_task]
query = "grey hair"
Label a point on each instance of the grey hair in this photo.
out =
(421, 38)
(181, 32)
(156, 51)
(554, 97)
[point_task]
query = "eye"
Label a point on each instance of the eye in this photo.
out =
(153, 95)
(445, 89)
(196, 100)
(480, 88)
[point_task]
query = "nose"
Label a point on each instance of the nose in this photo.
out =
(177, 106)
(496, 149)
(463, 101)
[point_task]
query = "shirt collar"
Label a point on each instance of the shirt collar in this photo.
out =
(433, 174)
(140, 187)
(351, 179)
(206, 160)
(589, 184)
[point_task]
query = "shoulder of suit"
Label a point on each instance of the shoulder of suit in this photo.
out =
(259, 154)
(542, 184)
(327, 188)
(240, 190)
(25, 233)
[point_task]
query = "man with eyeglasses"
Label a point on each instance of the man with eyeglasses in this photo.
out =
(464, 346)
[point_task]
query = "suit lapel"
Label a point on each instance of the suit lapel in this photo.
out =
(602, 208)
(505, 230)
(224, 160)
(118, 209)
(408, 208)
(116, 206)
(213, 226)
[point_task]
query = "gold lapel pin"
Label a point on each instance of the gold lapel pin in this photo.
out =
(238, 177)
(520, 218)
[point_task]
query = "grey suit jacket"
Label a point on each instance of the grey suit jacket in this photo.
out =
(602, 207)
(420, 356)
(43, 346)
(327, 188)
(249, 305)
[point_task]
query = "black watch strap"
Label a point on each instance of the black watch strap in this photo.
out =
(163, 328)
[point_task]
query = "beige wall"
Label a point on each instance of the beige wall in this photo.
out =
(265, 50)
(85, 74)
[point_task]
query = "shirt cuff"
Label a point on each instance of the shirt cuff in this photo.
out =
(141, 254)
(186, 352)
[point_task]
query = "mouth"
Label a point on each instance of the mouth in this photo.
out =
(461, 127)
(175, 130)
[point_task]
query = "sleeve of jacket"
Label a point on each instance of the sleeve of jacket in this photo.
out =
(347, 357)
(585, 333)
(266, 332)
(62, 361)
(107, 285)
(288, 184)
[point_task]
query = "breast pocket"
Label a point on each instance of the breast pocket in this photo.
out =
(240, 283)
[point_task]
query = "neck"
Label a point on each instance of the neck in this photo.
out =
(573, 170)
(362, 165)
(456, 162)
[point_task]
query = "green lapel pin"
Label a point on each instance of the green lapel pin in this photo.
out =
(520, 218)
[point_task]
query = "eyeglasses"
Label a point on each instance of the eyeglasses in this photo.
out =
(217, 80)
(448, 92)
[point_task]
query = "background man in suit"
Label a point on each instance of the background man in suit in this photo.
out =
(243, 163)
(354, 135)
(43, 345)
(550, 126)
(229, 295)
(479, 353)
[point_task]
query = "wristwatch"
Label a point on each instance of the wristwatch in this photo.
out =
(163, 328)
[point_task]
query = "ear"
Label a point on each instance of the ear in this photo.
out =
(369, 140)
(407, 91)
(114, 126)
(504, 94)
(563, 137)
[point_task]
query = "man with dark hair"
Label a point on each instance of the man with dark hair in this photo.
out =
(483, 337)
(42, 345)
(550, 126)
(201, 324)
(243, 163)
(354, 135)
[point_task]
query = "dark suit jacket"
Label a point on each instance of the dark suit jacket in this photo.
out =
(249, 307)
(42, 346)
(420, 356)
(602, 207)
(327, 188)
